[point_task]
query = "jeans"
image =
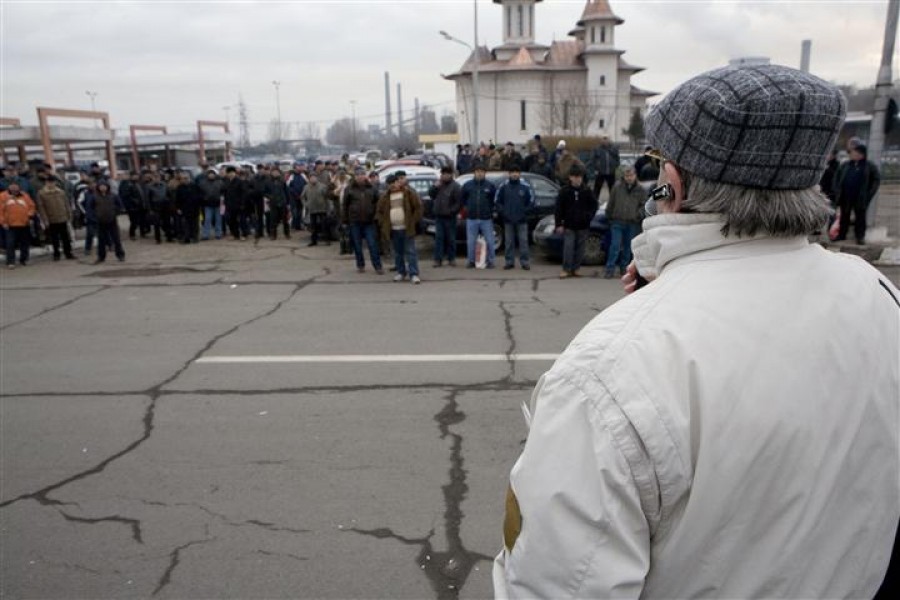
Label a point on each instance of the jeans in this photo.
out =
(90, 232)
(18, 237)
(212, 214)
(316, 226)
(621, 234)
(445, 238)
(573, 249)
(513, 232)
(405, 257)
(473, 228)
(296, 214)
(367, 230)
(60, 232)
(108, 235)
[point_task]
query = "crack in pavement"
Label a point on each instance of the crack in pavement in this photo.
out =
(447, 571)
(154, 394)
(175, 560)
(55, 307)
(134, 524)
(286, 554)
(228, 521)
(555, 311)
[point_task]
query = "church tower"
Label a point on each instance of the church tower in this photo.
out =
(598, 28)
(518, 27)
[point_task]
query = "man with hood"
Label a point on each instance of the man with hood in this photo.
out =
(104, 207)
(514, 198)
(210, 186)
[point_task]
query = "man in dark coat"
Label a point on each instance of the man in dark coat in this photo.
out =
(856, 183)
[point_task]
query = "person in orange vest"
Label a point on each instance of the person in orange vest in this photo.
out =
(16, 210)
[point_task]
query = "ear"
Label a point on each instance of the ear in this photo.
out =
(674, 179)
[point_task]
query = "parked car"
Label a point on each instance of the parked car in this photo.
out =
(545, 192)
(409, 169)
(240, 165)
(597, 243)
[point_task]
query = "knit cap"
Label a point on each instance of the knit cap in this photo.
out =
(764, 126)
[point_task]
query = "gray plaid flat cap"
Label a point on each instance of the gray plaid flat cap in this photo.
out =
(764, 126)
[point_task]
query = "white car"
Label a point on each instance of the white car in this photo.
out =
(220, 168)
(410, 170)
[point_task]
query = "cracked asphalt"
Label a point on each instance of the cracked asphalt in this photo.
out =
(129, 470)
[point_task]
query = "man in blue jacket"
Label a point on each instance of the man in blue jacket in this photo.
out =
(478, 196)
(514, 198)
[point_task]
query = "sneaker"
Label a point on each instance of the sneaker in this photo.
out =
(121, 258)
(576, 274)
(99, 261)
(379, 271)
(526, 267)
(490, 266)
(508, 267)
(415, 279)
(437, 264)
(399, 277)
(608, 274)
(470, 265)
(360, 269)
(564, 275)
(452, 263)
(10, 266)
(70, 257)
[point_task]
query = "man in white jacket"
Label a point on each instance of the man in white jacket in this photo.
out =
(730, 430)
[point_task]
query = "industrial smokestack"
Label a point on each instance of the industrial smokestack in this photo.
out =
(389, 127)
(805, 51)
(399, 110)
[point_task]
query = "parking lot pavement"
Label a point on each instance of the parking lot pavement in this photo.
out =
(133, 465)
(240, 420)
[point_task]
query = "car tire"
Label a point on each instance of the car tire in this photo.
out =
(593, 250)
(498, 237)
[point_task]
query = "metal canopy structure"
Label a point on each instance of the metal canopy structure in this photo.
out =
(46, 136)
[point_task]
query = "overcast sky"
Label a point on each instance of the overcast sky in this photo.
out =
(170, 63)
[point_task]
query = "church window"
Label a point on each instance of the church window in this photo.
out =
(603, 35)
(602, 123)
(531, 20)
(524, 124)
(593, 35)
(603, 80)
(521, 21)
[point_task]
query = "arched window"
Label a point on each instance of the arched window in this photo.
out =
(521, 21)
(522, 116)
(593, 37)
(603, 35)
(603, 80)
(531, 21)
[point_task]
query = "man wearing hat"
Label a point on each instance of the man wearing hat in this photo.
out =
(856, 183)
(708, 435)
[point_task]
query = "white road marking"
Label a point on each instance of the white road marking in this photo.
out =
(374, 358)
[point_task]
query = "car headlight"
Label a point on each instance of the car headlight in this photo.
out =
(546, 225)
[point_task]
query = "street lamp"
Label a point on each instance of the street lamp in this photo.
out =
(93, 96)
(474, 50)
(277, 85)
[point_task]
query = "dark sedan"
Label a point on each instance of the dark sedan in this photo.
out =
(545, 193)
(597, 243)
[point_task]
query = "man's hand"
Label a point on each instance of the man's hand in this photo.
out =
(560, 229)
(629, 279)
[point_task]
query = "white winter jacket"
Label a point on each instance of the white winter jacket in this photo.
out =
(728, 431)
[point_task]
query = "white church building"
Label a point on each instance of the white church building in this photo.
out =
(577, 87)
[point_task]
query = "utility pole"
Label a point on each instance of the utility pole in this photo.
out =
(882, 96)
(353, 117)
(277, 85)
(477, 57)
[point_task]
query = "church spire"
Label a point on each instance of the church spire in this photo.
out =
(518, 21)
(598, 10)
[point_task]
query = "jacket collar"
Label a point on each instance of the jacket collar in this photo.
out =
(668, 238)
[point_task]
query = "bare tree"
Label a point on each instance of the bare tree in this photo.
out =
(549, 112)
(583, 108)
(309, 131)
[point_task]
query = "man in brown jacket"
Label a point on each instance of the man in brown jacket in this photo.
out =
(358, 215)
(399, 210)
(55, 212)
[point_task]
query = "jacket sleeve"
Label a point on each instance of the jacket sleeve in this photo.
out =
(498, 198)
(41, 208)
(455, 199)
(30, 204)
(581, 530)
(611, 204)
(559, 211)
(120, 206)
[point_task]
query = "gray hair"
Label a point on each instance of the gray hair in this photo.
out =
(748, 211)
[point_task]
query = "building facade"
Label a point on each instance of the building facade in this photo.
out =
(576, 87)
